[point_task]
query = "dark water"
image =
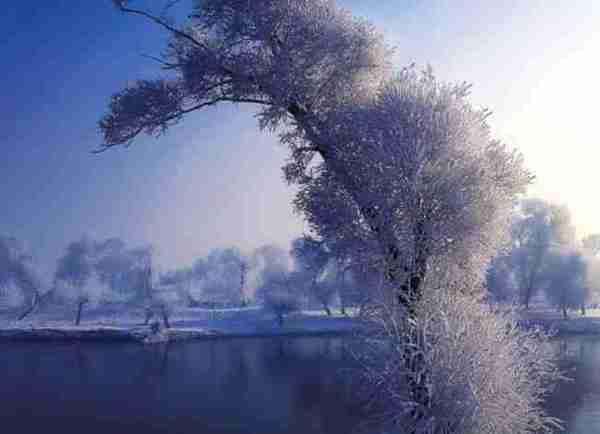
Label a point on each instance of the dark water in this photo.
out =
(224, 386)
(577, 402)
(231, 386)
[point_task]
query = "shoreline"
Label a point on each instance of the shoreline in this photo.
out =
(130, 332)
(102, 332)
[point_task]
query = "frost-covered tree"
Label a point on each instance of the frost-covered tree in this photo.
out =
(416, 162)
(19, 282)
(439, 188)
(311, 258)
(117, 267)
(486, 374)
(223, 276)
(218, 279)
(182, 279)
(317, 72)
(148, 292)
(278, 292)
(74, 270)
(566, 285)
(403, 167)
(269, 256)
(538, 227)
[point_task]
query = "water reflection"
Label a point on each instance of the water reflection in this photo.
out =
(290, 385)
(220, 386)
(577, 402)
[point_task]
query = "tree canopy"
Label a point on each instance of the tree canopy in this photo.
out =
(400, 159)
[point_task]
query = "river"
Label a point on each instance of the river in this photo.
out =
(227, 386)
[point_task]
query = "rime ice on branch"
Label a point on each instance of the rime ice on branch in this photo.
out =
(404, 159)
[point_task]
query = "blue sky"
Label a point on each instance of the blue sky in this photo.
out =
(215, 180)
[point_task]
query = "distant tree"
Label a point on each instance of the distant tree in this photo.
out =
(277, 292)
(223, 276)
(155, 301)
(142, 273)
(74, 270)
(182, 280)
(19, 281)
(566, 285)
(538, 227)
(219, 279)
(263, 258)
(115, 267)
(311, 258)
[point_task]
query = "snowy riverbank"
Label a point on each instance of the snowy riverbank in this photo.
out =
(185, 325)
(199, 323)
(576, 324)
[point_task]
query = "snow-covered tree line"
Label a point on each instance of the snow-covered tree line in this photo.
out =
(310, 275)
(88, 272)
(397, 172)
(545, 258)
(97, 273)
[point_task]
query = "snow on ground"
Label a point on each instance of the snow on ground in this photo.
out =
(195, 323)
(186, 323)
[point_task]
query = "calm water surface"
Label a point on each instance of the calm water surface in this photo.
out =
(577, 402)
(223, 386)
(260, 386)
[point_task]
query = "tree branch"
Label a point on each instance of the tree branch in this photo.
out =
(164, 64)
(121, 6)
(173, 116)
